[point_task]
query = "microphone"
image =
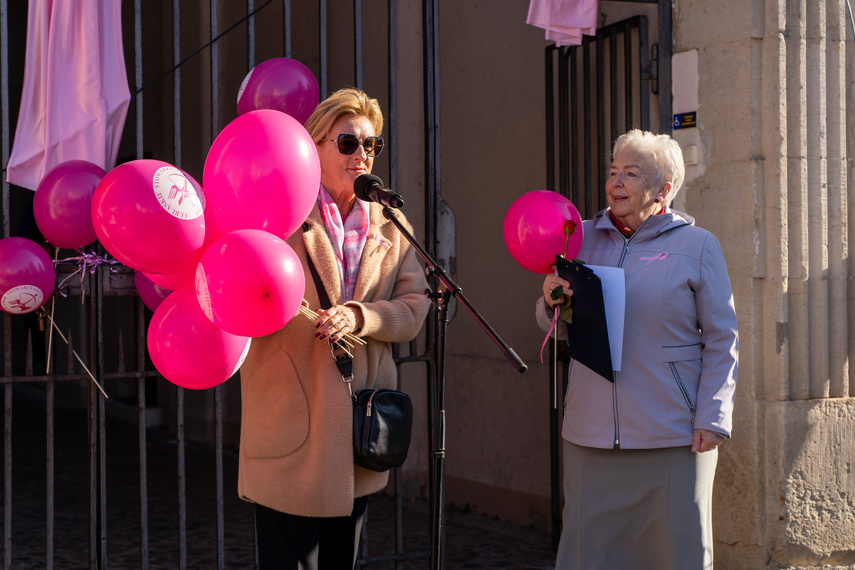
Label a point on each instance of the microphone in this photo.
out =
(369, 188)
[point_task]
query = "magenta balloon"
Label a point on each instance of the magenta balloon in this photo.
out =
(173, 281)
(187, 349)
(281, 84)
(250, 283)
(63, 201)
(27, 275)
(149, 215)
(534, 230)
(262, 173)
(150, 292)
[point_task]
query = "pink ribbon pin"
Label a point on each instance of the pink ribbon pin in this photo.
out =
(650, 260)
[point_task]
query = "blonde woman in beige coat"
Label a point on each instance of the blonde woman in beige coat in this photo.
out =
(296, 457)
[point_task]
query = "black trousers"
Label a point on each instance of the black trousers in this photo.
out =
(291, 542)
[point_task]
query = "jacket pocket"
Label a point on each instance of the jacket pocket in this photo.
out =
(687, 358)
(275, 419)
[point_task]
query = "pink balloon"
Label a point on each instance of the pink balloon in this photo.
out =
(540, 225)
(262, 173)
(250, 283)
(282, 84)
(27, 275)
(173, 281)
(63, 201)
(150, 292)
(187, 349)
(149, 215)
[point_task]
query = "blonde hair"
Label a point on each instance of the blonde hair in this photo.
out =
(667, 155)
(348, 101)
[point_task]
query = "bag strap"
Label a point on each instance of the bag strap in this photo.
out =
(343, 359)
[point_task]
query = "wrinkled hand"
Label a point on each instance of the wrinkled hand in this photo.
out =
(705, 440)
(336, 322)
(549, 284)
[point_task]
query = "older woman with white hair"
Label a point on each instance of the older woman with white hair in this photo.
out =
(640, 453)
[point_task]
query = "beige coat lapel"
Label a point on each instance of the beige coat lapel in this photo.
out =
(376, 247)
(320, 250)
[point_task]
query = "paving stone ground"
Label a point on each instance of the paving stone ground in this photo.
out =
(472, 541)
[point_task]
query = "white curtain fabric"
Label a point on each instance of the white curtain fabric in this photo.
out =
(75, 96)
(565, 21)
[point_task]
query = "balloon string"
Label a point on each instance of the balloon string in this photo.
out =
(85, 262)
(77, 356)
(555, 316)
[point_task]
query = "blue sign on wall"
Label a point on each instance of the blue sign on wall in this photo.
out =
(686, 120)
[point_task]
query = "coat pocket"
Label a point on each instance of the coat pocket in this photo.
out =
(275, 418)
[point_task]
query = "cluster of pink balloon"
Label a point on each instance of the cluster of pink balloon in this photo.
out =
(61, 210)
(220, 247)
(222, 250)
(540, 225)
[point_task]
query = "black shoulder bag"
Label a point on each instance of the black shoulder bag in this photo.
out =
(382, 419)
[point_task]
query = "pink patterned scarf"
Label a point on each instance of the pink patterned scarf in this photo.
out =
(348, 238)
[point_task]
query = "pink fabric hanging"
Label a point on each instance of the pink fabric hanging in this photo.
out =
(75, 97)
(564, 20)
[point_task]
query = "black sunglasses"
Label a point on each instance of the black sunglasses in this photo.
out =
(348, 143)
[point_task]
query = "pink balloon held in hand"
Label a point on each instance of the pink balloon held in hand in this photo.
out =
(262, 173)
(27, 275)
(250, 283)
(540, 225)
(150, 216)
(62, 203)
(282, 84)
(187, 349)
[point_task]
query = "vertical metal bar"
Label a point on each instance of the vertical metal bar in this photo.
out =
(4, 113)
(549, 75)
(176, 83)
(601, 123)
(7, 321)
(563, 124)
(322, 19)
(628, 68)
(286, 21)
(97, 293)
(644, 65)
(250, 33)
(357, 42)
(138, 97)
(666, 47)
(182, 483)
(218, 443)
(215, 72)
(393, 94)
(574, 125)
(50, 469)
(588, 135)
(613, 83)
(142, 422)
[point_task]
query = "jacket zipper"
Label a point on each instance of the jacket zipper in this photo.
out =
(683, 390)
(614, 384)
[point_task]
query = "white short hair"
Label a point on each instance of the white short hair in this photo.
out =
(666, 152)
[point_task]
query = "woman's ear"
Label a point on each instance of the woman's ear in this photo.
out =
(664, 191)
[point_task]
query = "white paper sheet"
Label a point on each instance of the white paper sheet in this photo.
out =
(614, 298)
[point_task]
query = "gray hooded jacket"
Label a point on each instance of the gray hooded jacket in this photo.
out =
(680, 344)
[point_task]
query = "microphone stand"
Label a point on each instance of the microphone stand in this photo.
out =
(440, 301)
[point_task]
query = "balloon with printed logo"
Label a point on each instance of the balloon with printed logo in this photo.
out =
(540, 225)
(27, 275)
(262, 172)
(187, 349)
(282, 84)
(151, 293)
(63, 200)
(250, 283)
(150, 216)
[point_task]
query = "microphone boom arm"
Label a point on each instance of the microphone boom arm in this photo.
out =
(455, 291)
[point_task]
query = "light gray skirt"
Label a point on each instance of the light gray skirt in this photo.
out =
(637, 509)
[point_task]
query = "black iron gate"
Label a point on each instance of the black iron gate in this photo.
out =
(594, 92)
(68, 497)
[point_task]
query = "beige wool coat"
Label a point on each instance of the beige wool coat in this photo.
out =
(296, 451)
